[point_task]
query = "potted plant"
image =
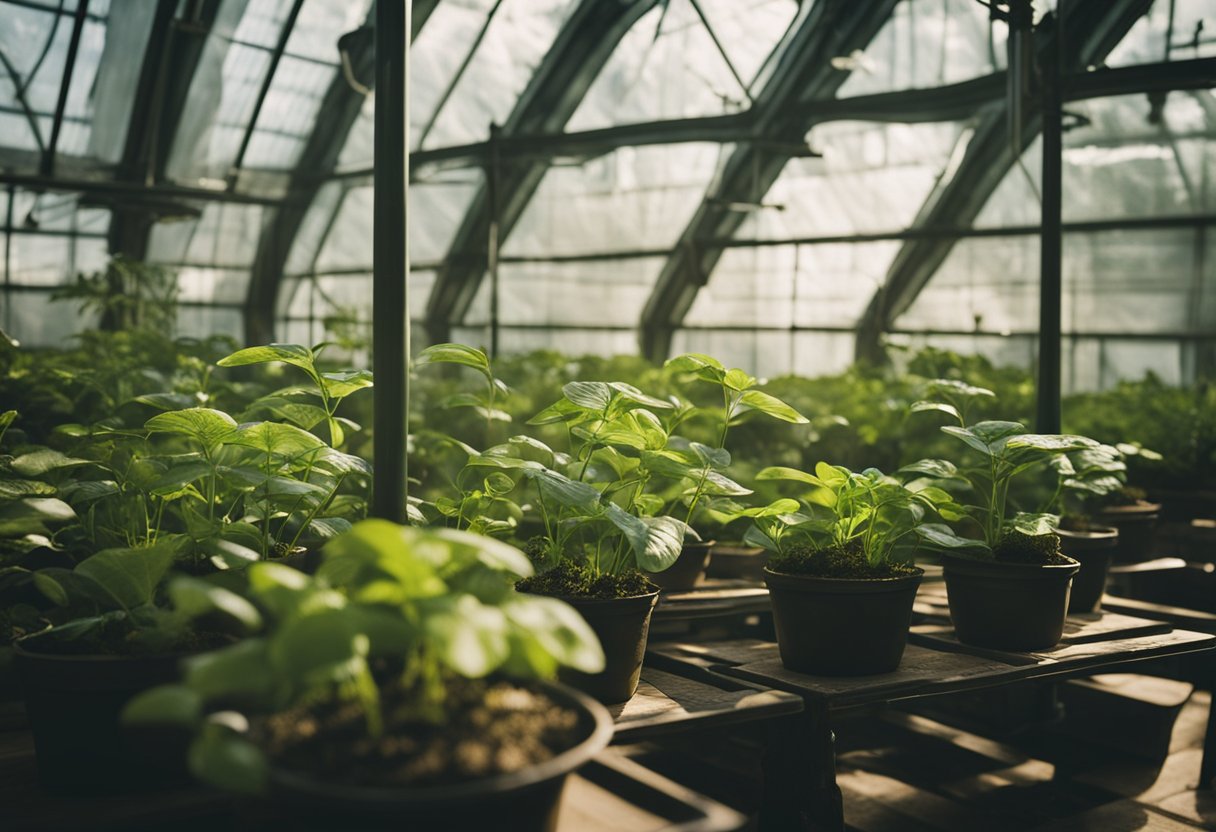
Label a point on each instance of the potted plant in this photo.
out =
(740, 401)
(405, 683)
(1084, 477)
(1129, 510)
(841, 575)
(1008, 582)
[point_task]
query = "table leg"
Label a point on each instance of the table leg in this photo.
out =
(1207, 769)
(800, 791)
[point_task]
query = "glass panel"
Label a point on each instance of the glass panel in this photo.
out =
(771, 353)
(47, 260)
(33, 320)
(1194, 21)
(203, 321)
(927, 43)
(633, 198)
(212, 285)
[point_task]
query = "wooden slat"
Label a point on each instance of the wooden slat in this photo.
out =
(714, 598)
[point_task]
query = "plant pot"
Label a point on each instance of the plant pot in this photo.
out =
(522, 801)
(688, 570)
(1008, 606)
(1137, 525)
(1092, 549)
(621, 625)
(74, 703)
(738, 562)
(841, 626)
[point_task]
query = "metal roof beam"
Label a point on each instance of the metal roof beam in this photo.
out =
(585, 43)
(1093, 28)
(803, 75)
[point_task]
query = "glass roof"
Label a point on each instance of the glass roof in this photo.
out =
(806, 241)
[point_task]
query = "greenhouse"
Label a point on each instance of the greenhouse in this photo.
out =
(588, 415)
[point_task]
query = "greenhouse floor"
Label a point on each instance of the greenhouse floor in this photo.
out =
(903, 772)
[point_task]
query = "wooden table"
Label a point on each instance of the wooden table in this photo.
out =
(799, 771)
(714, 598)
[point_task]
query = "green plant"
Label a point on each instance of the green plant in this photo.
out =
(483, 403)
(393, 618)
(1000, 453)
(127, 294)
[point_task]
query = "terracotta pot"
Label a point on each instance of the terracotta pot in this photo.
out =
(1137, 525)
(689, 569)
(522, 801)
(622, 626)
(1008, 606)
(1092, 549)
(841, 626)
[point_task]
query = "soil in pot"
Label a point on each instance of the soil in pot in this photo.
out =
(74, 695)
(1091, 547)
(497, 758)
(1137, 525)
(689, 569)
(1016, 600)
(618, 609)
(837, 615)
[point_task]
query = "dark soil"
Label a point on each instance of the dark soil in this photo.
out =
(1037, 550)
(576, 580)
(491, 728)
(835, 563)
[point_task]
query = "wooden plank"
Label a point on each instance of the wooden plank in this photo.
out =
(1181, 617)
(1067, 657)
(1120, 815)
(715, 597)
(666, 702)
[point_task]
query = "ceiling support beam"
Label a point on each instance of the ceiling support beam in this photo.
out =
(338, 113)
(803, 76)
(1090, 30)
(581, 49)
(65, 83)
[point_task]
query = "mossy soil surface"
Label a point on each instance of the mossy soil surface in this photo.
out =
(1034, 550)
(575, 580)
(489, 727)
(836, 563)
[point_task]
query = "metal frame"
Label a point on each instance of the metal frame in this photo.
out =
(65, 83)
(1096, 26)
(803, 74)
(581, 49)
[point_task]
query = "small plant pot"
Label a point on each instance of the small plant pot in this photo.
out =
(621, 625)
(738, 562)
(1008, 606)
(522, 801)
(74, 703)
(689, 569)
(1092, 549)
(1137, 526)
(841, 626)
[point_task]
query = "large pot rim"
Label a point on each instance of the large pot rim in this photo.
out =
(628, 602)
(816, 583)
(602, 728)
(1106, 536)
(1014, 571)
(1134, 510)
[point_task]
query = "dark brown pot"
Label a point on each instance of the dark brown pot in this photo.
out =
(1092, 549)
(522, 801)
(621, 624)
(1008, 606)
(841, 626)
(74, 704)
(688, 570)
(738, 562)
(1137, 525)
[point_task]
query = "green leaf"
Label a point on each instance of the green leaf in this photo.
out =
(129, 576)
(287, 353)
(636, 396)
(43, 461)
(239, 675)
(942, 536)
(779, 472)
(175, 480)
(716, 458)
(208, 427)
(968, 436)
(1051, 443)
(938, 468)
(664, 542)
(1035, 525)
(317, 648)
(164, 705)
(51, 588)
(561, 632)
(773, 406)
(920, 407)
(276, 438)
(168, 401)
(14, 489)
(229, 554)
(469, 637)
(306, 416)
(560, 489)
(195, 598)
(738, 380)
(31, 515)
(702, 366)
(225, 760)
(456, 354)
(341, 385)
(960, 389)
(591, 395)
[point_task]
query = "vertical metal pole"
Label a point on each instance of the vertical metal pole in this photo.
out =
(8, 260)
(492, 243)
(69, 66)
(390, 270)
(1050, 283)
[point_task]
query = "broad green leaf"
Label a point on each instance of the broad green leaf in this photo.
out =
(168, 401)
(341, 385)
(780, 472)
(737, 380)
(1035, 524)
(306, 416)
(317, 648)
(456, 354)
(385, 547)
(31, 515)
(164, 705)
(287, 353)
(773, 406)
(560, 489)
(591, 395)
(702, 366)
(942, 536)
(43, 461)
(225, 760)
(51, 588)
(129, 576)
(716, 458)
(968, 436)
(229, 554)
(938, 468)
(174, 480)
(329, 527)
(961, 389)
(208, 427)
(563, 633)
(997, 433)
(1050, 443)
(773, 509)
(563, 410)
(721, 485)
(468, 636)
(276, 438)
(195, 598)
(14, 489)
(237, 675)
(88, 491)
(664, 542)
(636, 396)
(920, 407)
